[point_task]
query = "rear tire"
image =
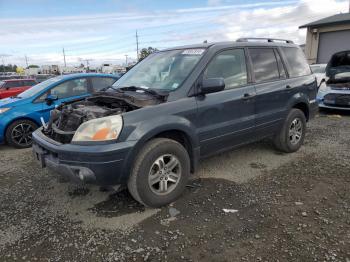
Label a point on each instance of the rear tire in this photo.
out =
(160, 173)
(19, 133)
(292, 134)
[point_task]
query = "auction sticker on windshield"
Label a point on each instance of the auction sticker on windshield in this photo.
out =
(193, 51)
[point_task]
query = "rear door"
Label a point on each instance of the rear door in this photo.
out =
(269, 75)
(27, 84)
(11, 88)
(226, 119)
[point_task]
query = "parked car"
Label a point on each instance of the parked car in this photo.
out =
(21, 114)
(335, 92)
(150, 129)
(13, 87)
(319, 70)
(42, 77)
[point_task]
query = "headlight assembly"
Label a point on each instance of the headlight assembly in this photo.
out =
(100, 129)
(4, 109)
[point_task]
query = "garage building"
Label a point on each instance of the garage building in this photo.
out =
(326, 37)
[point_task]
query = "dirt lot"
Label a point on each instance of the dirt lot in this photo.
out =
(290, 207)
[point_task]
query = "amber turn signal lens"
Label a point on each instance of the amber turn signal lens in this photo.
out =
(101, 134)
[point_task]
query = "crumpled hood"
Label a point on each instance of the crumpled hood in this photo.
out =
(12, 102)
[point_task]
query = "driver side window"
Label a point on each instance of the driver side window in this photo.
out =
(229, 65)
(67, 89)
(70, 88)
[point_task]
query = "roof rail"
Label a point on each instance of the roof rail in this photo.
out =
(247, 39)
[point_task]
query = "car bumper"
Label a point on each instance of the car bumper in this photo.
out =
(103, 164)
(334, 99)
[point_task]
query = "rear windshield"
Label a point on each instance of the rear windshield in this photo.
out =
(318, 69)
(296, 60)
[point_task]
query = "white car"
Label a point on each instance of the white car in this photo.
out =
(319, 70)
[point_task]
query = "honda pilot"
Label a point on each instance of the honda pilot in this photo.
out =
(150, 128)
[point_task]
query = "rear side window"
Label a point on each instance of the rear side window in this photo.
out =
(28, 82)
(265, 66)
(99, 83)
(296, 60)
(231, 66)
(13, 84)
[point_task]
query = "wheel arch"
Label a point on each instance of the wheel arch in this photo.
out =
(17, 119)
(304, 107)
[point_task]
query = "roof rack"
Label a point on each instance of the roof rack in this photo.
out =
(247, 39)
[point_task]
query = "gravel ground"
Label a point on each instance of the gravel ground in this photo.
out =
(280, 207)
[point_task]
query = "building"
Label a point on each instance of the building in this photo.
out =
(50, 69)
(326, 37)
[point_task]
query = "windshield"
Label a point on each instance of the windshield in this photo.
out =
(165, 70)
(39, 87)
(2, 83)
(318, 69)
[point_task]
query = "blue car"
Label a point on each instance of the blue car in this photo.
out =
(335, 92)
(22, 114)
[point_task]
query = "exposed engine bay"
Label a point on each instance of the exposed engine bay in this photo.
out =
(66, 118)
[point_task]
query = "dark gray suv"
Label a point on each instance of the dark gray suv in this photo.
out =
(151, 127)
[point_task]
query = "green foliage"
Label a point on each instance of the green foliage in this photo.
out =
(146, 52)
(33, 66)
(8, 68)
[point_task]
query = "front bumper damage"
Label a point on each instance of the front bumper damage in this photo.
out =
(103, 164)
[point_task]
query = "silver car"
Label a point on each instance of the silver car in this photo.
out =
(335, 92)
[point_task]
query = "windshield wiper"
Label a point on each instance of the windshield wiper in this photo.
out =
(150, 91)
(106, 88)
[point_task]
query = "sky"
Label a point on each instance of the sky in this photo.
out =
(104, 31)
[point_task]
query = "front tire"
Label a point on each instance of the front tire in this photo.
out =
(19, 133)
(292, 134)
(160, 173)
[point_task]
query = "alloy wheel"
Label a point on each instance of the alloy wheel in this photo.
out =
(295, 131)
(165, 174)
(22, 134)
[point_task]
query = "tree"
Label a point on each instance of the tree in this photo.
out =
(8, 68)
(146, 52)
(33, 66)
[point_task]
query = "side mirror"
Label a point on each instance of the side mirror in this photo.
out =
(50, 98)
(212, 85)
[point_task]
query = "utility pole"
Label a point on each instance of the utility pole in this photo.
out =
(26, 58)
(87, 65)
(3, 64)
(64, 58)
(126, 60)
(137, 45)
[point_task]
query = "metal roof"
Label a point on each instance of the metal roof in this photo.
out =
(331, 20)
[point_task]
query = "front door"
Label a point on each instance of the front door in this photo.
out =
(227, 118)
(66, 91)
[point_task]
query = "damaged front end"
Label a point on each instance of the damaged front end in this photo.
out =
(68, 117)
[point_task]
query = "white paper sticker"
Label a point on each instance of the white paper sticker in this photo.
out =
(193, 51)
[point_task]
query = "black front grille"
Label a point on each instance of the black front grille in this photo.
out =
(342, 100)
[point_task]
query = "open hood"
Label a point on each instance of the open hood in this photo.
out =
(338, 67)
(66, 118)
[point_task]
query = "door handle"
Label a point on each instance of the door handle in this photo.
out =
(247, 96)
(288, 87)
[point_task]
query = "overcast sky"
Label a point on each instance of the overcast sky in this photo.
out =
(104, 30)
